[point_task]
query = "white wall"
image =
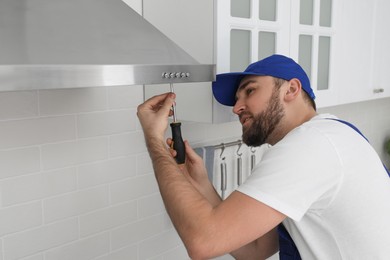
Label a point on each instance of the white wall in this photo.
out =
(76, 181)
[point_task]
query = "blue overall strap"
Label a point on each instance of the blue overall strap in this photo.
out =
(287, 247)
(350, 125)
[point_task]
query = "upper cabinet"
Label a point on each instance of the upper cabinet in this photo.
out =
(342, 45)
(381, 62)
(353, 51)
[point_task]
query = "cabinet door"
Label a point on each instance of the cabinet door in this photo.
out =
(381, 64)
(354, 51)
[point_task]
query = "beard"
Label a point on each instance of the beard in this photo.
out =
(265, 123)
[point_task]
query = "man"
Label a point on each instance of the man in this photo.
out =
(319, 176)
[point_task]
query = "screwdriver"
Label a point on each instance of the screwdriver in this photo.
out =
(177, 140)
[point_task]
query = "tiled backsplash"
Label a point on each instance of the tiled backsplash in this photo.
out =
(76, 181)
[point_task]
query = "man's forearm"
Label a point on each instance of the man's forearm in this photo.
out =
(212, 196)
(184, 204)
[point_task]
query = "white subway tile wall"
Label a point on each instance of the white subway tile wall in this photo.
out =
(76, 181)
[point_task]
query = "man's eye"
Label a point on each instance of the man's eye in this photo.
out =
(249, 91)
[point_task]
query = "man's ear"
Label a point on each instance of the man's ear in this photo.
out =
(293, 89)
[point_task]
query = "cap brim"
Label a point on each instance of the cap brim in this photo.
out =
(225, 86)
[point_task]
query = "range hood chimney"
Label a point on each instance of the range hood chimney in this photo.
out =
(47, 44)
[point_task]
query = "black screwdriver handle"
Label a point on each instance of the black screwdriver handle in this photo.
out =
(178, 143)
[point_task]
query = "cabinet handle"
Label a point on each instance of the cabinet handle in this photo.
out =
(379, 90)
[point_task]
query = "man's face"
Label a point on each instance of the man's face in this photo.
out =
(259, 109)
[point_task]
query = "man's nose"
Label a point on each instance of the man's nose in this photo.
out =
(238, 107)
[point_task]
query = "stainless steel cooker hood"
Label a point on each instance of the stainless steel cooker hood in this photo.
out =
(48, 44)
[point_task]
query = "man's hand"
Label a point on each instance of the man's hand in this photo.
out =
(153, 115)
(196, 173)
(194, 167)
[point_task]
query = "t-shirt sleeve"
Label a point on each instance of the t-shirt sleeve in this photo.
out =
(300, 173)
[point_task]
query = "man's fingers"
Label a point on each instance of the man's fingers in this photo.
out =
(157, 102)
(167, 103)
(192, 155)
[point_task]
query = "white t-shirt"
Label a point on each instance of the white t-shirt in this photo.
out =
(332, 187)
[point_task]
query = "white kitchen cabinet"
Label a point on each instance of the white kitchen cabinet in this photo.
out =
(360, 52)
(334, 41)
(381, 62)
(354, 51)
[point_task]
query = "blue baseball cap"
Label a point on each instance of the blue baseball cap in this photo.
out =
(278, 66)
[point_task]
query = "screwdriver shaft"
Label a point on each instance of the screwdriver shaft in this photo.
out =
(174, 105)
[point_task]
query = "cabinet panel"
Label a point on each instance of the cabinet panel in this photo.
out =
(326, 13)
(381, 64)
(354, 51)
(267, 44)
(240, 49)
(323, 63)
(240, 8)
(306, 12)
(305, 53)
(268, 10)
